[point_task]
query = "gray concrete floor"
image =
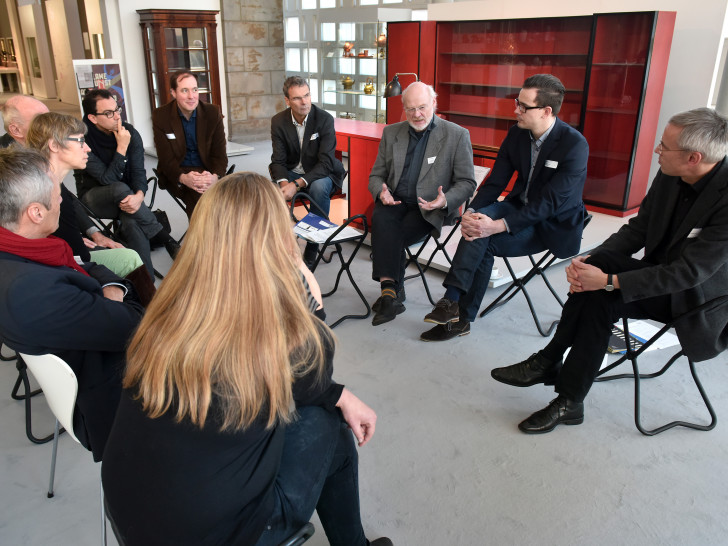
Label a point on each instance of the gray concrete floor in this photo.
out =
(447, 465)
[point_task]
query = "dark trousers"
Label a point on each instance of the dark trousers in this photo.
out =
(136, 229)
(472, 264)
(586, 325)
(319, 469)
(393, 228)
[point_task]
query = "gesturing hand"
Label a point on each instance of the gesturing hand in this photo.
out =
(386, 197)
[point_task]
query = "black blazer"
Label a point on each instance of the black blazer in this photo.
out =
(697, 259)
(319, 145)
(555, 203)
(46, 309)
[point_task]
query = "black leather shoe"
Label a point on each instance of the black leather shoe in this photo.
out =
(401, 297)
(535, 369)
(561, 410)
(384, 541)
(445, 311)
(387, 309)
(443, 332)
(172, 248)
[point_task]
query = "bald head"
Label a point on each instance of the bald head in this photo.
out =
(18, 112)
(419, 105)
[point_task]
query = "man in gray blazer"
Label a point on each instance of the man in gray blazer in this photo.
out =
(422, 174)
(682, 225)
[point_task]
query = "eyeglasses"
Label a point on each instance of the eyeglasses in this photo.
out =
(523, 108)
(299, 99)
(81, 139)
(420, 109)
(109, 113)
(661, 148)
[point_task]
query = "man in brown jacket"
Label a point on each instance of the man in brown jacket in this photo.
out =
(190, 139)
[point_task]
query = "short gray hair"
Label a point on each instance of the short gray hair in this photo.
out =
(24, 180)
(703, 130)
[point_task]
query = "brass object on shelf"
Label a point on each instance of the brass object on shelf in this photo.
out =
(369, 87)
(347, 82)
(382, 40)
(347, 49)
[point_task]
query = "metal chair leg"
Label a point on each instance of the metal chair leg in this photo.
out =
(26, 396)
(56, 434)
(103, 510)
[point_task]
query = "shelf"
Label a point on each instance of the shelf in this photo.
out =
(475, 115)
(511, 54)
(497, 86)
(618, 64)
(609, 110)
(351, 92)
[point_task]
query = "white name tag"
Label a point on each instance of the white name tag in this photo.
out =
(431, 160)
(694, 232)
(170, 136)
(314, 136)
(551, 164)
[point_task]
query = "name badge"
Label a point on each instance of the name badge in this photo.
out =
(170, 136)
(551, 164)
(694, 232)
(314, 136)
(431, 160)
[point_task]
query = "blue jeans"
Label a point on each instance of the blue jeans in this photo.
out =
(319, 470)
(136, 229)
(319, 190)
(473, 261)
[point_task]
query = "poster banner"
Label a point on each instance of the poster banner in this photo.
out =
(100, 74)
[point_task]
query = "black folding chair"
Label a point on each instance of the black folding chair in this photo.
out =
(519, 285)
(300, 536)
(633, 353)
(335, 240)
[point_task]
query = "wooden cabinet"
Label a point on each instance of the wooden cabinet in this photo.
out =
(612, 65)
(176, 40)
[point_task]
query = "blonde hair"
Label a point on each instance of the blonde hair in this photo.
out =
(231, 318)
(55, 127)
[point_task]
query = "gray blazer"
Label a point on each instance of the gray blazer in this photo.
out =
(697, 266)
(448, 162)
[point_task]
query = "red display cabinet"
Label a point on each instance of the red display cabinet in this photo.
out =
(612, 65)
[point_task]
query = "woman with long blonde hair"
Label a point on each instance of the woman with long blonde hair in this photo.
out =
(230, 427)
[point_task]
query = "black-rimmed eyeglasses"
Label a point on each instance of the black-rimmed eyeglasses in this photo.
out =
(523, 108)
(109, 113)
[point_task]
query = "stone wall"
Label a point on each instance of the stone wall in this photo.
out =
(254, 66)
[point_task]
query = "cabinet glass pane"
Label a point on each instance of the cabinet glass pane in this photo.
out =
(308, 4)
(368, 67)
(150, 40)
(328, 3)
(368, 2)
(184, 37)
(313, 85)
(347, 32)
(203, 81)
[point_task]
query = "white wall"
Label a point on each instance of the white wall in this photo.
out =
(696, 43)
(65, 34)
(126, 46)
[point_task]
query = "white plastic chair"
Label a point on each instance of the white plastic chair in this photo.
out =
(60, 387)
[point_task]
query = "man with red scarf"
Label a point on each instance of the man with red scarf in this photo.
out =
(49, 303)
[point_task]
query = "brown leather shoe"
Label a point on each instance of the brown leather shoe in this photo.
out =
(561, 410)
(535, 369)
(444, 332)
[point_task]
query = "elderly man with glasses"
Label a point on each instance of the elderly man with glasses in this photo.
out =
(544, 210)
(114, 181)
(422, 174)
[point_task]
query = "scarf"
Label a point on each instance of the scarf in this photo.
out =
(48, 250)
(103, 145)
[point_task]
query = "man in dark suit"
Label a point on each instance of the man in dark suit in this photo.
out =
(50, 304)
(190, 140)
(544, 210)
(682, 225)
(304, 142)
(422, 175)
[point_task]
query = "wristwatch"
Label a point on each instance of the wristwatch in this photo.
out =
(609, 286)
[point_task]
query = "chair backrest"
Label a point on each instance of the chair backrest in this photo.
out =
(59, 385)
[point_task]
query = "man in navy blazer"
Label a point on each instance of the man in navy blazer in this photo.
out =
(50, 304)
(304, 142)
(682, 225)
(544, 210)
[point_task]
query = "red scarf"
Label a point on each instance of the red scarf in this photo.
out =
(48, 250)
